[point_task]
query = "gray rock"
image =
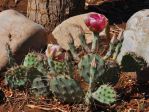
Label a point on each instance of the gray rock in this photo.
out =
(21, 34)
(136, 36)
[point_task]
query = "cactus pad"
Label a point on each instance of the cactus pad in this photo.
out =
(57, 67)
(105, 94)
(84, 67)
(16, 77)
(36, 60)
(30, 59)
(40, 86)
(66, 89)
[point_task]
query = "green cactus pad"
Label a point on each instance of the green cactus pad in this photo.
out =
(66, 89)
(40, 86)
(105, 94)
(36, 60)
(57, 67)
(30, 60)
(84, 67)
(131, 62)
(16, 77)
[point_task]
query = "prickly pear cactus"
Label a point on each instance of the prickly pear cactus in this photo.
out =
(131, 62)
(105, 94)
(16, 77)
(66, 89)
(40, 86)
(35, 60)
(85, 63)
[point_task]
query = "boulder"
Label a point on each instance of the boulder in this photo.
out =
(21, 34)
(74, 26)
(136, 36)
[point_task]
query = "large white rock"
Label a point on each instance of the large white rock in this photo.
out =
(136, 36)
(20, 33)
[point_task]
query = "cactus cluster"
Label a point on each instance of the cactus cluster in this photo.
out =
(92, 68)
(65, 87)
(60, 66)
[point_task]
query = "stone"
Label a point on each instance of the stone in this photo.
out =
(21, 34)
(136, 36)
(74, 26)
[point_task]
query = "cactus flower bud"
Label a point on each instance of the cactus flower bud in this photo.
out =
(55, 51)
(96, 22)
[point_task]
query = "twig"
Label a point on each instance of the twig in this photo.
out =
(44, 108)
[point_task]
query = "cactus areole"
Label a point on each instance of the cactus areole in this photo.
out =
(96, 22)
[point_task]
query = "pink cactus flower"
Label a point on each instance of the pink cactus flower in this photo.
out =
(55, 51)
(96, 22)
